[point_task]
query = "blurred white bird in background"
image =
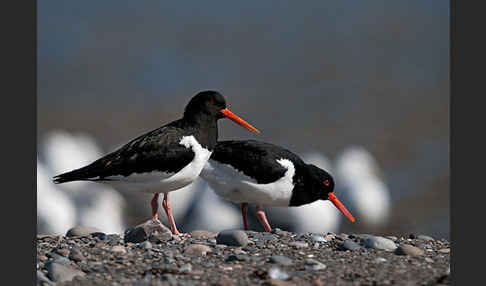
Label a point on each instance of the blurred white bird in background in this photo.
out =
(210, 212)
(56, 213)
(362, 185)
(96, 205)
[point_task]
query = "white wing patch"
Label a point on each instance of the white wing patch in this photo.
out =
(161, 182)
(233, 185)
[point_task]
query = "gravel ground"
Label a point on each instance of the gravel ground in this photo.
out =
(149, 255)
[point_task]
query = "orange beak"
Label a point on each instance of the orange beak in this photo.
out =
(226, 112)
(340, 206)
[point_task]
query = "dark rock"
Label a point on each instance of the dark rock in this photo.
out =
(232, 238)
(237, 257)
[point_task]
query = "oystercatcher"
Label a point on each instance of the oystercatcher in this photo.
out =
(165, 159)
(264, 174)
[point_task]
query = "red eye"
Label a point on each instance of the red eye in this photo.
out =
(212, 101)
(326, 182)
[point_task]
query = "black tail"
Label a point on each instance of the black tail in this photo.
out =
(81, 174)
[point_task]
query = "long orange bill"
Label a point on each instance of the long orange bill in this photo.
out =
(226, 112)
(340, 206)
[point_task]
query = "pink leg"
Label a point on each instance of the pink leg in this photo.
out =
(244, 210)
(168, 211)
(155, 207)
(263, 218)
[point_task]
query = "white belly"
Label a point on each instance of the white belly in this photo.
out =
(161, 182)
(235, 186)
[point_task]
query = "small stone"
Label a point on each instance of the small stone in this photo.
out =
(232, 238)
(268, 237)
(425, 237)
(186, 268)
(202, 234)
(62, 260)
(380, 259)
(318, 282)
(298, 244)
(76, 255)
(412, 236)
(407, 249)
(60, 273)
(445, 250)
(63, 251)
(378, 242)
(152, 229)
(318, 238)
(81, 231)
(146, 245)
(349, 244)
(312, 264)
(198, 249)
(280, 259)
(429, 260)
(391, 237)
(119, 249)
(276, 273)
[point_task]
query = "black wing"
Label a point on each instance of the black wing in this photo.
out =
(255, 159)
(158, 150)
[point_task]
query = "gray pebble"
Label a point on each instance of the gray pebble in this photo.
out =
(407, 249)
(186, 268)
(429, 260)
(378, 242)
(146, 245)
(349, 244)
(76, 255)
(268, 237)
(279, 231)
(298, 244)
(232, 238)
(425, 237)
(280, 259)
(81, 231)
(62, 260)
(312, 264)
(380, 259)
(276, 273)
(59, 273)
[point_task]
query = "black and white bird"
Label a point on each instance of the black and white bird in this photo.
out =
(165, 159)
(264, 174)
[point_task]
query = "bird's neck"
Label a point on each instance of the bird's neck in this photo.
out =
(206, 128)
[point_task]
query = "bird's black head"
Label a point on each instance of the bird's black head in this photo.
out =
(322, 181)
(207, 102)
(211, 105)
(323, 186)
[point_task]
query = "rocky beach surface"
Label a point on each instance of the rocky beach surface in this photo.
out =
(148, 254)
